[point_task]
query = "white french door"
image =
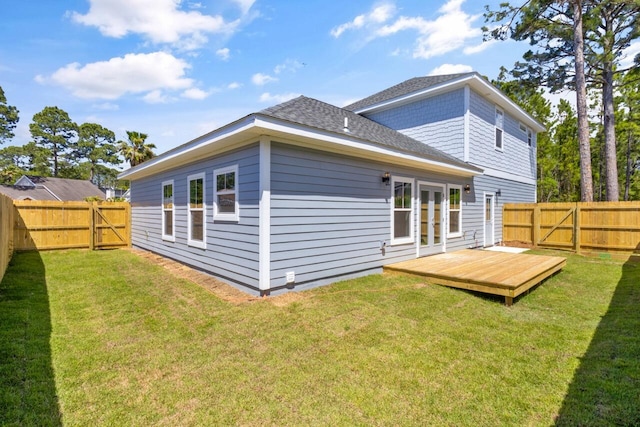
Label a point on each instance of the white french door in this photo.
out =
(431, 219)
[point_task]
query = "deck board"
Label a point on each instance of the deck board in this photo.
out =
(497, 273)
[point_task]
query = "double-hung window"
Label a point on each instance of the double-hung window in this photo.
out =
(196, 214)
(402, 221)
(225, 194)
(499, 129)
(455, 211)
(168, 217)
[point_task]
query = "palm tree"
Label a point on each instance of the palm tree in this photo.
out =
(135, 150)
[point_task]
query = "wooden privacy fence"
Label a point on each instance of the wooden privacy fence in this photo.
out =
(46, 225)
(6, 233)
(612, 227)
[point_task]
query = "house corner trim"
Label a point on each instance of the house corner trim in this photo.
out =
(264, 249)
(467, 112)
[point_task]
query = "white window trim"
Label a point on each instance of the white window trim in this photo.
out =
(448, 225)
(495, 132)
(530, 137)
(198, 244)
(411, 238)
(226, 216)
(167, 237)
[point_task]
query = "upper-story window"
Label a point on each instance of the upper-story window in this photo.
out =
(168, 218)
(225, 194)
(529, 137)
(499, 129)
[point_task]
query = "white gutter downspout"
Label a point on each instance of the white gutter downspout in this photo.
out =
(264, 215)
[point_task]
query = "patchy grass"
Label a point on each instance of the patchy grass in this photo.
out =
(108, 338)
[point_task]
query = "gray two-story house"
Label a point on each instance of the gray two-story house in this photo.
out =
(305, 193)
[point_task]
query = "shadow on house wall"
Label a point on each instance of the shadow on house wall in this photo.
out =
(27, 384)
(605, 389)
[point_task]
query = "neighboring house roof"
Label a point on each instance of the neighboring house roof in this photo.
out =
(423, 87)
(315, 124)
(48, 188)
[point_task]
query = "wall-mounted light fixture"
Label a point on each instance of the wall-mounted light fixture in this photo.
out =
(467, 189)
(498, 192)
(386, 177)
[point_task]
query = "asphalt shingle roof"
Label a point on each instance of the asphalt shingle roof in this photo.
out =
(406, 87)
(65, 189)
(320, 115)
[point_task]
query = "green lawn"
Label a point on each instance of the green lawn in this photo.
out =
(107, 338)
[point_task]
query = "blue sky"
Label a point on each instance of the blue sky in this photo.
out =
(178, 69)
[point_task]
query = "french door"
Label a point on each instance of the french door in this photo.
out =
(431, 220)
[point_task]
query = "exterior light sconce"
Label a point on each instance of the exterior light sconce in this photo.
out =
(498, 193)
(467, 189)
(386, 177)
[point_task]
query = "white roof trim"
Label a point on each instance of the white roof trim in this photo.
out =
(476, 82)
(250, 128)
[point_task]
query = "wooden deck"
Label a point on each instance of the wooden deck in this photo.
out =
(496, 273)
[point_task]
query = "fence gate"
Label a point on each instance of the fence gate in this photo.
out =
(612, 227)
(109, 226)
(45, 225)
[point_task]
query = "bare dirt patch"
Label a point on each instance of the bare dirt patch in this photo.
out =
(220, 289)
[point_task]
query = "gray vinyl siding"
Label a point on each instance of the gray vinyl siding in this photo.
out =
(473, 208)
(437, 121)
(232, 247)
(330, 213)
(516, 157)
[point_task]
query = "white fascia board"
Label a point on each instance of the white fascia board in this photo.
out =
(252, 127)
(476, 82)
(225, 137)
(328, 141)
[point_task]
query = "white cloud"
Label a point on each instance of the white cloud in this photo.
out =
(260, 79)
(106, 106)
(451, 69)
(470, 50)
(448, 32)
(234, 85)
(267, 97)
(160, 21)
(377, 15)
(629, 54)
(133, 73)
(223, 53)
(452, 29)
(245, 5)
(156, 97)
(195, 93)
(291, 65)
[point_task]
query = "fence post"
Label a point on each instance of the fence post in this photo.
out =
(576, 228)
(92, 226)
(536, 226)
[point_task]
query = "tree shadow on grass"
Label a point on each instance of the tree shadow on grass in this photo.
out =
(27, 383)
(605, 389)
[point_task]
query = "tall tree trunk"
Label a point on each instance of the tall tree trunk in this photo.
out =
(627, 172)
(610, 154)
(586, 180)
